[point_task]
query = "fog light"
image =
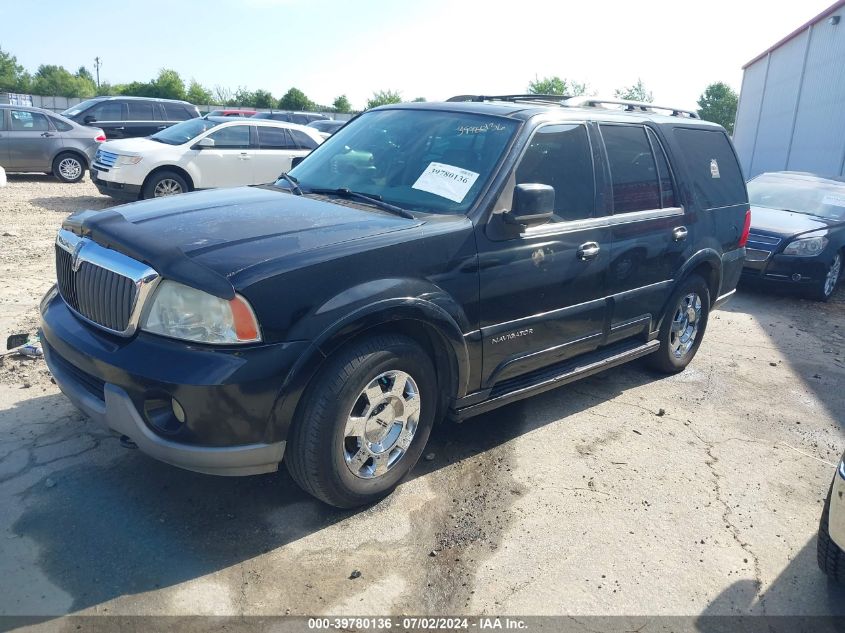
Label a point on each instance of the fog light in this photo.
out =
(178, 411)
(796, 277)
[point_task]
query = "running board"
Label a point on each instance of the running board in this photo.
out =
(552, 377)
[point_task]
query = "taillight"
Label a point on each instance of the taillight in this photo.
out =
(746, 229)
(100, 138)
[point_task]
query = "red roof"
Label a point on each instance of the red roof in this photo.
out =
(821, 16)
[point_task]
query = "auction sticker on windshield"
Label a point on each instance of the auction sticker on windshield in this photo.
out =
(446, 181)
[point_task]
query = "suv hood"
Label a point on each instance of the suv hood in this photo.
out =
(132, 146)
(786, 224)
(204, 239)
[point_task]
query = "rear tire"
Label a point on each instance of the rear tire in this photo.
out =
(68, 167)
(682, 327)
(365, 420)
(830, 557)
(164, 183)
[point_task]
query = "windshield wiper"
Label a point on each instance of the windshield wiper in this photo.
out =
(293, 182)
(369, 198)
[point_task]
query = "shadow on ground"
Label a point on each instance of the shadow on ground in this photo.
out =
(139, 524)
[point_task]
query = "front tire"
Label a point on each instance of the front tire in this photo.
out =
(830, 557)
(365, 421)
(68, 167)
(823, 290)
(682, 327)
(163, 184)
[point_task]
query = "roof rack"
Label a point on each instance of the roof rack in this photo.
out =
(556, 99)
(630, 106)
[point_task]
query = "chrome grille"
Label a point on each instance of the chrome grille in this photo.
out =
(763, 239)
(103, 286)
(104, 160)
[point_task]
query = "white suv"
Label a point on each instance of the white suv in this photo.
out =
(200, 154)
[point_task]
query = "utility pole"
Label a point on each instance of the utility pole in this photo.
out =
(97, 64)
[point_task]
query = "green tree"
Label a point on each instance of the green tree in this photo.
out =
(341, 104)
(718, 103)
(263, 99)
(556, 86)
(637, 92)
(137, 89)
(384, 97)
(57, 81)
(13, 77)
(168, 85)
(222, 96)
(106, 89)
(420, 100)
(197, 94)
(295, 99)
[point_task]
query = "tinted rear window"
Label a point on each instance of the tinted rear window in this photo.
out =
(176, 112)
(716, 177)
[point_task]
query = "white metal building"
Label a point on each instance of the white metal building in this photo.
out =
(791, 113)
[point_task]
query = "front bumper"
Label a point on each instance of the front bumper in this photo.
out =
(783, 269)
(120, 190)
(836, 527)
(229, 395)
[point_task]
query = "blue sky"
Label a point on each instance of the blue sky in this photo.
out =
(428, 48)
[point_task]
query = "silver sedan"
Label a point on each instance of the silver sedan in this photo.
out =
(36, 140)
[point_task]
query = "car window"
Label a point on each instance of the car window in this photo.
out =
(2, 118)
(236, 136)
(139, 111)
(303, 140)
(667, 187)
(274, 138)
(633, 171)
(716, 177)
(25, 121)
(176, 112)
(106, 111)
(60, 125)
(559, 156)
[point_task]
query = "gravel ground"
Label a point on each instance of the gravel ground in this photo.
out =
(626, 493)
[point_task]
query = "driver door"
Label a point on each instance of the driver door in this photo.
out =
(229, 162)
(543, 289)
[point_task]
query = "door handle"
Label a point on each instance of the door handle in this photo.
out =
(244, 156)
(588, 250)
(119, 128)
(46, 134)
(162, 127)
(679, 233)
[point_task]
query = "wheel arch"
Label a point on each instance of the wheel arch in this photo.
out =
(428, 324)
(705, 263)
(71, 150)
(174, 168)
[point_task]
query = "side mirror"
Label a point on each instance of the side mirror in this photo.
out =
(296, 160)
(88, 120)
(533, 204)
(204, 143)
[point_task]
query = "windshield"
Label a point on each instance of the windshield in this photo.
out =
(824, 198)
(184, 131)
(422, 160)
(79, 107)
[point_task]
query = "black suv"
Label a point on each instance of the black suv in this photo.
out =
(128, 117)
(302, 118)
(427, 261)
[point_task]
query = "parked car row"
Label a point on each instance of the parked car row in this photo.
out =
(200, 153)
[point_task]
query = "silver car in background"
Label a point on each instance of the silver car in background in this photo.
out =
(36, 140)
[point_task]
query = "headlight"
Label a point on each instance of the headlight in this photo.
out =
(842, 468)
(806, 246)
(129, 160)
(182, 312)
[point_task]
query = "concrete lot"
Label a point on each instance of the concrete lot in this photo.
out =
(627, 493)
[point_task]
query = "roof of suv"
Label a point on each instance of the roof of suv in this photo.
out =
(128, 98)
(524, 109)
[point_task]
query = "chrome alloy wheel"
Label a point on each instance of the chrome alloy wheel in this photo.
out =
(70, 168)
(833, 275)
(685, 325)
(381, 425)
(167, 187)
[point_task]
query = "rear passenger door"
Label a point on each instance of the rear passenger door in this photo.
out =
(648, 229)
(275, 152)
(32, 141)
(4, 139)
(543, 290)
(142, 118)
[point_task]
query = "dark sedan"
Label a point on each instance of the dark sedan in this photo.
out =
(797, 232)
